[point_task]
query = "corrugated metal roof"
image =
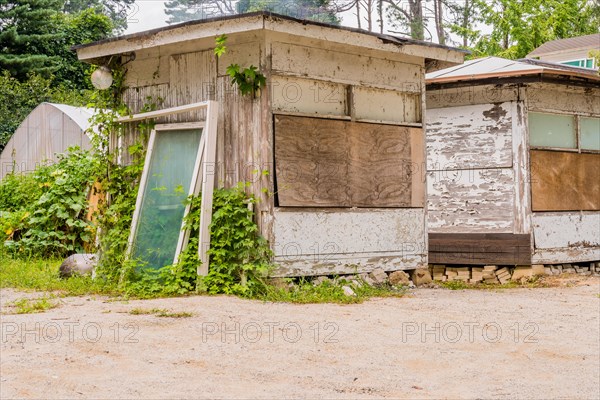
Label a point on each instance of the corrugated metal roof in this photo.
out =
(495, 67)
(579, 42)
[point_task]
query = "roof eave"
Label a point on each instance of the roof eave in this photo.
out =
(92, 52)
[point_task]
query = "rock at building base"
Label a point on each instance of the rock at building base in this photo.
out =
(78, 264)
(420, 277)
(379, 276)
(398, 278)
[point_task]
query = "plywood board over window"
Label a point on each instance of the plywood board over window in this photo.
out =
(335, 163)
(565, 181)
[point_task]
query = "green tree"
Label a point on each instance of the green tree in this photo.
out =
(117, 10)
(84, 27)
(314, 10)
(29, 36)
(188, 10)
(518, 27)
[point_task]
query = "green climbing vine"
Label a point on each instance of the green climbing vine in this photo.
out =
(248, 80)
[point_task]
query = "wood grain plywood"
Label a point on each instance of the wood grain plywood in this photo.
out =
(565, 181)
(334, 163)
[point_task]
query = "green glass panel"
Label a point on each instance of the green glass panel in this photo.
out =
(590, 133)
(163, 203)
(552, 130)
(576, 63)
(589, 63)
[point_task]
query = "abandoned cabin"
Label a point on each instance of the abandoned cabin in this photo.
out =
(333, 147)
(49, 130)
(513, 161)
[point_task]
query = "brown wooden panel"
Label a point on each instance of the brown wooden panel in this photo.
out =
(480, 248)
(565, 181)
(311, 159)
(336, 163)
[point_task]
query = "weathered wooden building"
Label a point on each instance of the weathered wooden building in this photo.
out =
(333, 148)
(513, 161)
(48, 130)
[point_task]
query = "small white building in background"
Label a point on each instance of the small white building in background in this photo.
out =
(49, 129)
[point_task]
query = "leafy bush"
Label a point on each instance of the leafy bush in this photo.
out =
(51, 216)
(239, 256)
(18, 191)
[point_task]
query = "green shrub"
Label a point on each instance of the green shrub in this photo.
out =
(50, 206)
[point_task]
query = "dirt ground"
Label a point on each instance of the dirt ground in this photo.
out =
(434, 343)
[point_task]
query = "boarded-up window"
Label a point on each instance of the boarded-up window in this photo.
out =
(565, 181)
(590, 133)
(552, 130)
(334, 163)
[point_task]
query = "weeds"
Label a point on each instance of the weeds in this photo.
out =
(161, 312)
(31, 306)
(304, 292)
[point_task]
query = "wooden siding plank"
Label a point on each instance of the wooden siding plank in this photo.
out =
(477, 249)
(331, 163)
(293, 59)
(565, 181)
(308, 96)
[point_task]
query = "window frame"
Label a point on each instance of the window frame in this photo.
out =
(202, 179)
(577, 118)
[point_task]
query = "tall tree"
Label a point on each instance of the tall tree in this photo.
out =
(188, 10)
(117, 10)
(408, 16)
(518, 27)
(28, 36)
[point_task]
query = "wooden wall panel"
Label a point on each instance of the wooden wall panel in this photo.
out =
(565, 181)
(480, 248)
(336, 241)
(336, 66)
(477, 200)
(334, 163)
(307, 96)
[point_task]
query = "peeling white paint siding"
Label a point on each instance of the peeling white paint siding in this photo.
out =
(566, 236)
(520, 143)
(470, 201)
(470, 180)
(317, 241)
(478, 136)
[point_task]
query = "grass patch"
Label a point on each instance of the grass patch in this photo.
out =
(160, 312)
(533, 282)
(42, 275)
(32, 306)
(304, 292)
